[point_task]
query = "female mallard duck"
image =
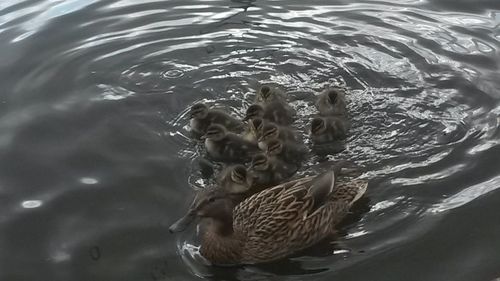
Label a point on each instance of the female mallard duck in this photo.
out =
(225, 146)
(271, 131)
(269, 171)
(202, 117)
(328, 129)
(331, 102)
(273, 223)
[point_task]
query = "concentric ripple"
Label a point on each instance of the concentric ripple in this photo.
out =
(96, 156)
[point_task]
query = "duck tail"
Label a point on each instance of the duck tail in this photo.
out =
(350, 191)
(361, 189)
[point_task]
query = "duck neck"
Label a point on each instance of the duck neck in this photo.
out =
(219, 243)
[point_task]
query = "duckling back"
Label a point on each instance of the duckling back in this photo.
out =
(332, 102)
(329, 129)
(231, 148)
(202, 117)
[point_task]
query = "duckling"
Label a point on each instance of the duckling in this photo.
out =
(272, 224)
(272, 131)
(235, 179)
(202, 117)
(207, 167)
(287, 151)
(277, 112)
(225, 146)
(332, 102)
(328, 129)
(254, 129)
(268, 95)
(269, 171)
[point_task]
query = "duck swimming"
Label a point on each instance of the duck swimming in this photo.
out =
(328, 129)
(268, 94)
(253, 129)
(289, 152)
(276, 112)
(273, 223)
(269, 171)
(270, 104)
(202, 117)
(225, 146)
(235, 179)
(332, 102)
(271, 130)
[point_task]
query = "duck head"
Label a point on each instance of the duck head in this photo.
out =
(215, 132)
(269, 131)
(256, 125)
(236, 180)
(265, 93)
(254, 111)
(260, 162)
(332, 96)
(318, 126)
(199, 110)
(208, 203)
(274, 147)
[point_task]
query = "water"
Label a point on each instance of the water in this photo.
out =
(95, 161)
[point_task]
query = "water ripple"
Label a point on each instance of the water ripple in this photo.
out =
(97, 155)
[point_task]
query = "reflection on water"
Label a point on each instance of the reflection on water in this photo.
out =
(96, 159)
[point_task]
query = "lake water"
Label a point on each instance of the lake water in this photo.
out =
(96, 162)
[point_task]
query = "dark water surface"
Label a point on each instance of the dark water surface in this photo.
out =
(95, 161)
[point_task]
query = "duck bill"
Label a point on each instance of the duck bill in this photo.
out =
(182, 223)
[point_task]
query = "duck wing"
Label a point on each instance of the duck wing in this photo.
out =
(284, 219)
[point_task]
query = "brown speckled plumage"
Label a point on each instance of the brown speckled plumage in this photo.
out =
(279, 221)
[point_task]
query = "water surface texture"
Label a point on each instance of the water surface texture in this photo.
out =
(96, 162)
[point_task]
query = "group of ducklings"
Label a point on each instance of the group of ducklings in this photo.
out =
(264, 137)
(252, 215)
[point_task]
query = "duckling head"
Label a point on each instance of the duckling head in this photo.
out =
(199, 110)
(254, 111)
(318, 126)
(208, 203)
(274, 147)
(332, 96)
(269, 131)
(260, 162)
(265, 92)
(238, 181)
(255, 125)
(215, 132)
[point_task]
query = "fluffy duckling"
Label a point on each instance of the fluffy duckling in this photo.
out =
(271, 130)
(287, 151)
(269, 171)
(202, 117)
(328, 129)
(332, 102)
(268, 95)
(235, 179)
(225, 146)
(254, 129)
(277, 112)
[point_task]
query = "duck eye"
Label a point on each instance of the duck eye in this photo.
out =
(211, 199)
